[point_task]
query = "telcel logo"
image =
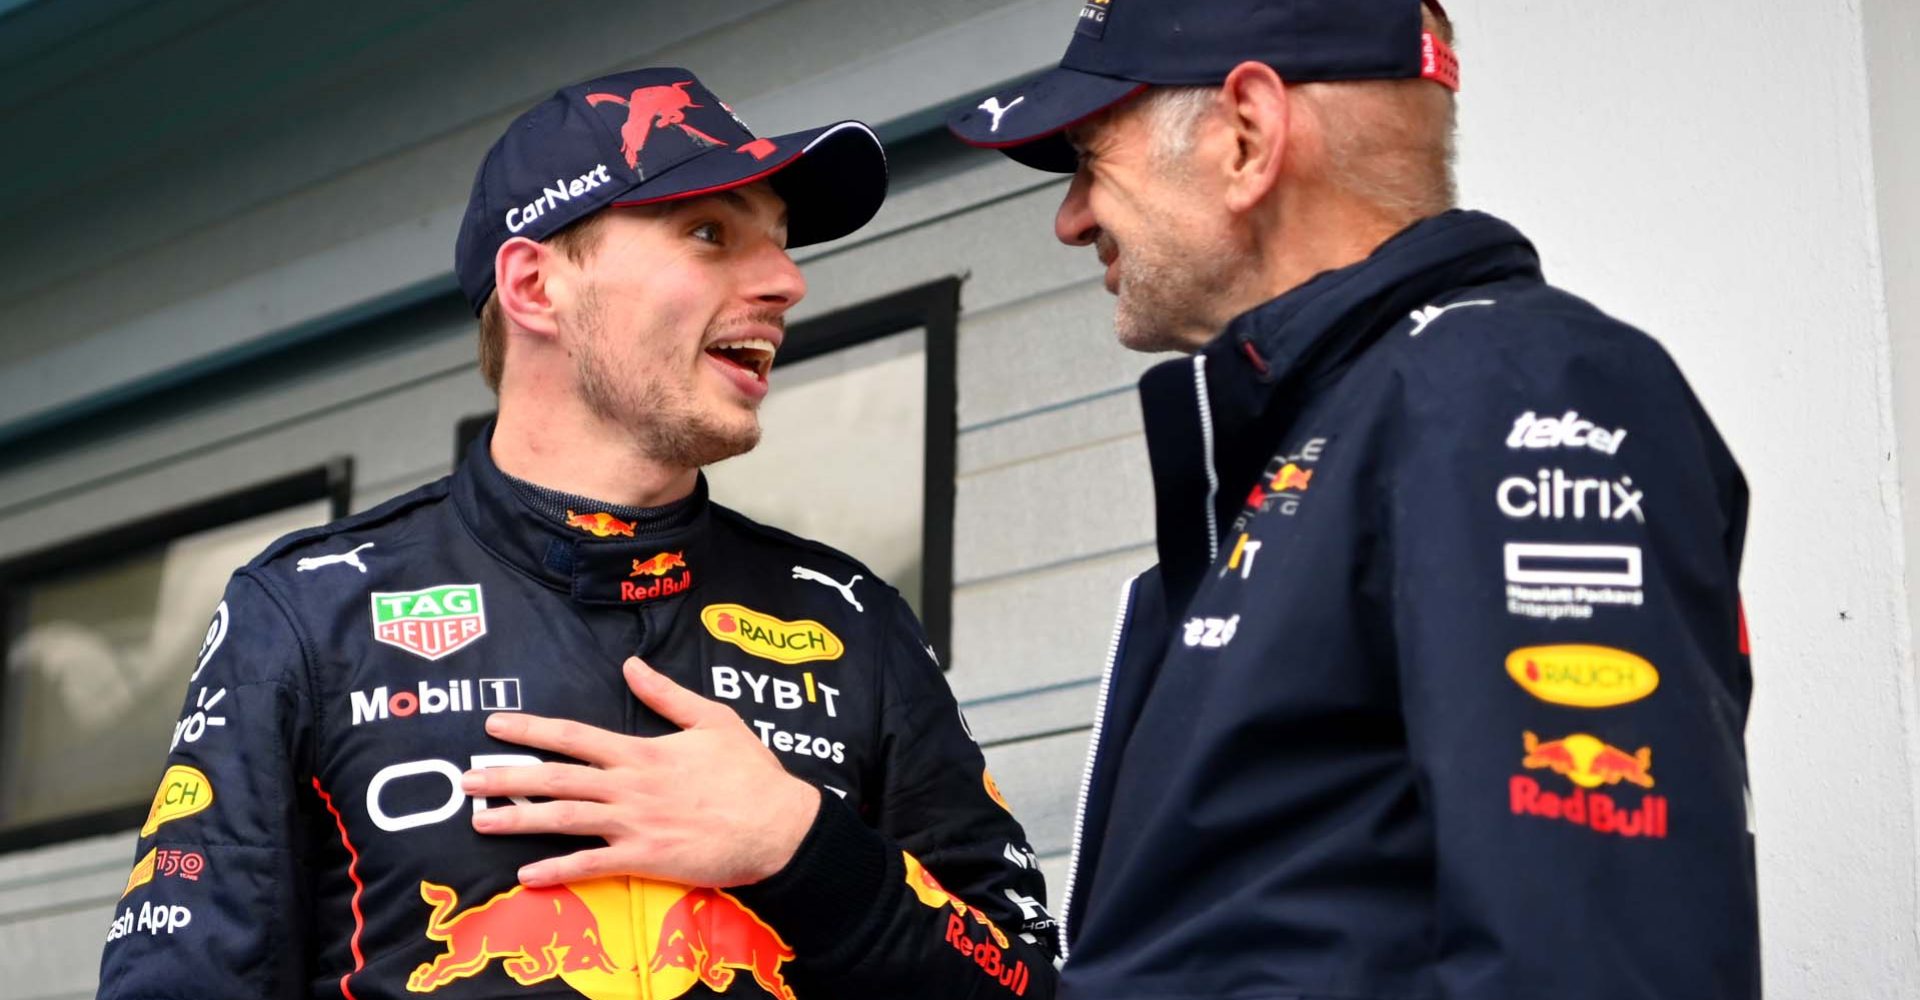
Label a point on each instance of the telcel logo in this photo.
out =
(1536, 433)
(771, 638)
(497, 694)
(1582, 676)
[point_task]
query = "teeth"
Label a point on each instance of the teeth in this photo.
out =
(750, 344)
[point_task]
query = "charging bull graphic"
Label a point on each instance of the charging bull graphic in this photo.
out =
(712, 935)
(649, 108)
(536, 933)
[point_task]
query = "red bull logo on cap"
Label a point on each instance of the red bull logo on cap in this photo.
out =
(650, 108)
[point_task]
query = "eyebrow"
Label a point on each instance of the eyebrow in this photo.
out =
(739, 203)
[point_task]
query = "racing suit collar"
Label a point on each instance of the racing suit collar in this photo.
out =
(1214, 419)
(598, 559)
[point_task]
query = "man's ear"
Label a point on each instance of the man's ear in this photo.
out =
(1255, 100)
(524, 280)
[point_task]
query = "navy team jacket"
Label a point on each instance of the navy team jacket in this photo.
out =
(309, 837)
(1438, 690)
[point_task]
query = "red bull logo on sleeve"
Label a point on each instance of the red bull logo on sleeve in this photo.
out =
(989, 955)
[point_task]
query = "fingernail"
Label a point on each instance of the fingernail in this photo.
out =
(470, 782)
(530, 875)
(484, 820)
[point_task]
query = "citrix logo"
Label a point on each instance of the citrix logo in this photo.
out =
(1555, 496)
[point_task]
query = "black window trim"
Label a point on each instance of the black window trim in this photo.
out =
(935, 308)
(331, 481)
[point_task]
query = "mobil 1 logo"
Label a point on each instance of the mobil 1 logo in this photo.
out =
(496, 694)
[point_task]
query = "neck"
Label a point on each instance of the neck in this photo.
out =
(564, 448)
(1312, 230)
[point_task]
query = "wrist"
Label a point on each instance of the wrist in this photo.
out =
(795, 817)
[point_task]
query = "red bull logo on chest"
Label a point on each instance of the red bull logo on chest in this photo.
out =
(607, 939)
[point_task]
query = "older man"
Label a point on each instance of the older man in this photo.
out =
(1439, 687)
(818, 824)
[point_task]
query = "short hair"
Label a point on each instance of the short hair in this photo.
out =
(1390, 142)
(577, 242)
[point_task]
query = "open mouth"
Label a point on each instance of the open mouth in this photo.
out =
(753, 354)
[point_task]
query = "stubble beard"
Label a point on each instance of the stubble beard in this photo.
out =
(659, 412)
(1170, 294)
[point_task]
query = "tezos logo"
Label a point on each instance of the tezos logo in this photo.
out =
(1554, 496)
(497, 694)
(1569, 431)
(430, 623)
(1210, 633)
(771, 638)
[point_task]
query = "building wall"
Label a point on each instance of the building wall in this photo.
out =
(1736, 185)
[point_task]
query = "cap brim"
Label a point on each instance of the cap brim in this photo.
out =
(832, 178)
(1027, 122)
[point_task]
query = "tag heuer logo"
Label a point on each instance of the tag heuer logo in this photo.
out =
(430, 623)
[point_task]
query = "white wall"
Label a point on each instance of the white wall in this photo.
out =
(1705, 170)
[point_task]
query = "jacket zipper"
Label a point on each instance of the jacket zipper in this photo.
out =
(1206, 442)
(1093, 754)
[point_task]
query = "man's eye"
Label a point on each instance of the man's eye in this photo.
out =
(708, 231)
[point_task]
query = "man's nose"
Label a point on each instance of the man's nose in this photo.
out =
(778, 281)
(1073, 224)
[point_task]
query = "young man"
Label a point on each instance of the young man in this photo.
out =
(771, 808)
(1438, 689)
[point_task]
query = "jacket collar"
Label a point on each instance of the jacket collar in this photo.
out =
(601, 559)
(1214, 419)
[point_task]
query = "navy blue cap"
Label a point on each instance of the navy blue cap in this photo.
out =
(648, 136)
(1122, 47)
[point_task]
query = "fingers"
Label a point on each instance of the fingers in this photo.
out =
(678, 705)
(577, 867)
(581, 819)
(574, 739)
(551, 781)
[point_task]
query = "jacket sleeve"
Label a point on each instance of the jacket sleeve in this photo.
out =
(941, 896)
(1565, 531)
(215, 906)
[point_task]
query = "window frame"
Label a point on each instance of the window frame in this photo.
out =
(331, 481)
(935, 308)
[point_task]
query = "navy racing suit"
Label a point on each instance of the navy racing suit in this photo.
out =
(1439, 687)
(310, 839)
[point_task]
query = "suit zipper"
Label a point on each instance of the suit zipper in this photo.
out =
(1093, 754)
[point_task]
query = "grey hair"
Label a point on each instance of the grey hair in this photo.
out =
(1389, 142)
